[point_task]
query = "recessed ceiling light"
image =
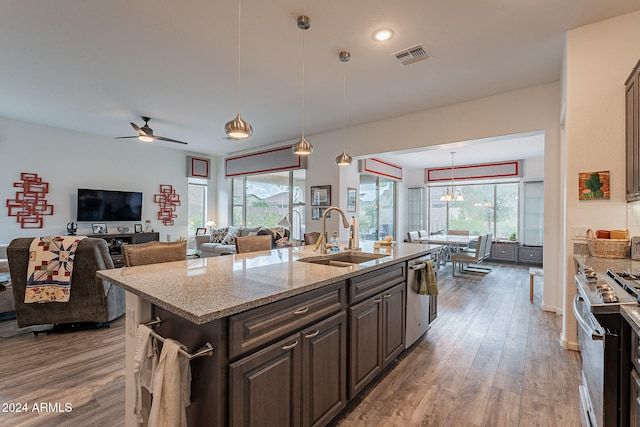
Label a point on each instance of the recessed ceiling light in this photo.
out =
(382, 35)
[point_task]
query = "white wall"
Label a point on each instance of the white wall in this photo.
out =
(599, 58)
(69, 160)
(531, 109)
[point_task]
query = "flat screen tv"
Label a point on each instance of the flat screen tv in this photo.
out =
(108, 205)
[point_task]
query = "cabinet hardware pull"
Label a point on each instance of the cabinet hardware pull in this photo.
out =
(290, 346)
(313, 334)
(387, 295)
(301, 310)
(377, 300)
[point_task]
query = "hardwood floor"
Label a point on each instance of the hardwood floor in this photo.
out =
(491, 358)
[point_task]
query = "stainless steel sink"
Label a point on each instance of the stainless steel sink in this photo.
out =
(343, 259)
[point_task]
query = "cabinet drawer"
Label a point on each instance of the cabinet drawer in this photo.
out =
(530, 254)
(506, 252)
(262, 325)
(362, 287)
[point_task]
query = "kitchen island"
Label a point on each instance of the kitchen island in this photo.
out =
(294, 341)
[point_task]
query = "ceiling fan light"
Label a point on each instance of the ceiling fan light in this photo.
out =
(145, 138)
(343, 159)
(302, 147)
(238, 128)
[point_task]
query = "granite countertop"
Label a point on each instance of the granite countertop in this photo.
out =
(204, 289)
(600, 265)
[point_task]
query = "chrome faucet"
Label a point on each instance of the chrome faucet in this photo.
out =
(345, 223)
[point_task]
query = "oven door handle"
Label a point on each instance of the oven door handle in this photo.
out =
(582, 323)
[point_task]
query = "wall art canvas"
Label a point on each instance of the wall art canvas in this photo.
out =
(593, 185)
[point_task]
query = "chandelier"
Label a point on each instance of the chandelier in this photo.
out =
(451, 194)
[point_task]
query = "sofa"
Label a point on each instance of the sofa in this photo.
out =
(222, 241)
(92, 299)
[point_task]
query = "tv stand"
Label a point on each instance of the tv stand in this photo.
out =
(115, 242)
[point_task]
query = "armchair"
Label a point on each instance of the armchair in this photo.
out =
(92, 299)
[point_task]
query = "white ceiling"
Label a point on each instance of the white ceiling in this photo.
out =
(95, 66)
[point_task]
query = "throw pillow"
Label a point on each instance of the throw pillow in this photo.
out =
(218, 234)
(230, 238)
(247, 231)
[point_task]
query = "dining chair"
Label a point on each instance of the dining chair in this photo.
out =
(311, 238)
(462, 258)
(458, 232)
(413, 237)
(154, 253)
(253, 244)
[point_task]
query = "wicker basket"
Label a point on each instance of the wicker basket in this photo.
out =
(607, 248)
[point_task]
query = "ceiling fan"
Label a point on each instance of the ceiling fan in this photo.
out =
(145, 133)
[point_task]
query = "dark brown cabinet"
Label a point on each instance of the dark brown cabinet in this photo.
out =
(300, 380)
(324, 370)
(632, 134)
(376, 335)
(264, 388)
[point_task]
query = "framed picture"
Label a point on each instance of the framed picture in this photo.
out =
(201, 231)
(137, 228)
(593, 185)
(316, 213)
(99, 228)
(352, 194)
(321, 195)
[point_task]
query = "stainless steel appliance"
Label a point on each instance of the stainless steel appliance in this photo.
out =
(420, 308)
(635, 247)
(605, 375)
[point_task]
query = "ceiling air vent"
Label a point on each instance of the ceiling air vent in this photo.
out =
(412, 54)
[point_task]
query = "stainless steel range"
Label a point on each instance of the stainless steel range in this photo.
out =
(605, 376)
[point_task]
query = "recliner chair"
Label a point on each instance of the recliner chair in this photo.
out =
(92, 299)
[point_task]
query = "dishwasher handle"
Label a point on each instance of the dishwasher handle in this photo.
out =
(583, 323)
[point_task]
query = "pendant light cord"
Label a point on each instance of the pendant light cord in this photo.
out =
(303, 83)
(239, 15)
(344, 106)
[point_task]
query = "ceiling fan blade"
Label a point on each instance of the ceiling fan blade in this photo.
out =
(121, 137)
(162, 138)
(137, 129)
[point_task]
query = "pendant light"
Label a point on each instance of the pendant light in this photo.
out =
(238, 128)
(344, 159)
(303, 147)
(451, 195)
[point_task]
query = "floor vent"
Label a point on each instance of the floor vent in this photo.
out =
(412, 55)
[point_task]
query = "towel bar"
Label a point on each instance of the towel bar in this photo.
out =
(205, 350)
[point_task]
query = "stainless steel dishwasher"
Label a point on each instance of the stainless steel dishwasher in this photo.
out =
(420, 308)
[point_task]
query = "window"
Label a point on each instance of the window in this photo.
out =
(197, 205)
(377, 207)
(487, 208)
(264, 200)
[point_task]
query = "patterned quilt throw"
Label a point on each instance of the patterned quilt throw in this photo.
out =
(50, 267)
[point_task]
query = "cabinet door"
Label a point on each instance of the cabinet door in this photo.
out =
(393, 312)
(433, 308)
(264, 388)
(365, 343)
(634, 419)
(632, 135)
(324, 370)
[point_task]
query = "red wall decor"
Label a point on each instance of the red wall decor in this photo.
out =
(167, 200)
(30, 206)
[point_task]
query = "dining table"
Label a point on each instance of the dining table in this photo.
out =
(452, 243)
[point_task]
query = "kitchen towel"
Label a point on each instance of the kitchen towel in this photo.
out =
(144, 366)
(427, 281)
(171, 387)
